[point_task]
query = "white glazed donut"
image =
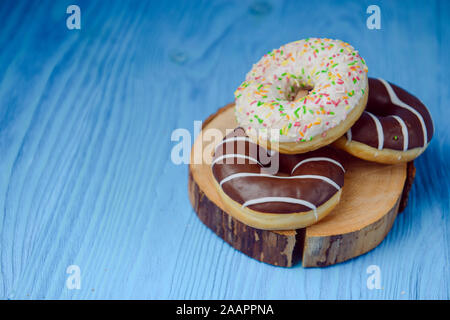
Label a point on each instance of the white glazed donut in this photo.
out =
(335, 76)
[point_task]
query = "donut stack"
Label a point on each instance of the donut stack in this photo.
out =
(281, 169)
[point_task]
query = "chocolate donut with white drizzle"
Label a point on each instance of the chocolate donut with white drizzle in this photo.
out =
(305, 188)
(395, 126)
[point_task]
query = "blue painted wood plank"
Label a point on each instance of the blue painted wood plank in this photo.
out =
(86, 118)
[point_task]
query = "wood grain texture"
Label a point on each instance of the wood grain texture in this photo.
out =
(86, 119)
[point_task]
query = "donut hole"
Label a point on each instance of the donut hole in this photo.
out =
(298, 92)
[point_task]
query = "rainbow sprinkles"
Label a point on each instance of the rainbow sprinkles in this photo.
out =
(332, 71)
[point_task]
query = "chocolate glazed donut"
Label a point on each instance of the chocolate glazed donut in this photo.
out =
(305, 188)
(395, 127)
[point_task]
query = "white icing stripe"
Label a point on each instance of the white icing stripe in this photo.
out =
(234, 155)
(349, 135)
(306, 176)
(395, 100)
(282, 199)
(379, 130)
(233, 139)
(318, 159)
(404, 132)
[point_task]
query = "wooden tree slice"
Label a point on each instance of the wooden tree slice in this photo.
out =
(371, 198)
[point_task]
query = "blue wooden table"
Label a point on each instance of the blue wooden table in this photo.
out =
(86, 118)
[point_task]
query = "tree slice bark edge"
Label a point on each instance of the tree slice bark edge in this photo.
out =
(279, 249)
